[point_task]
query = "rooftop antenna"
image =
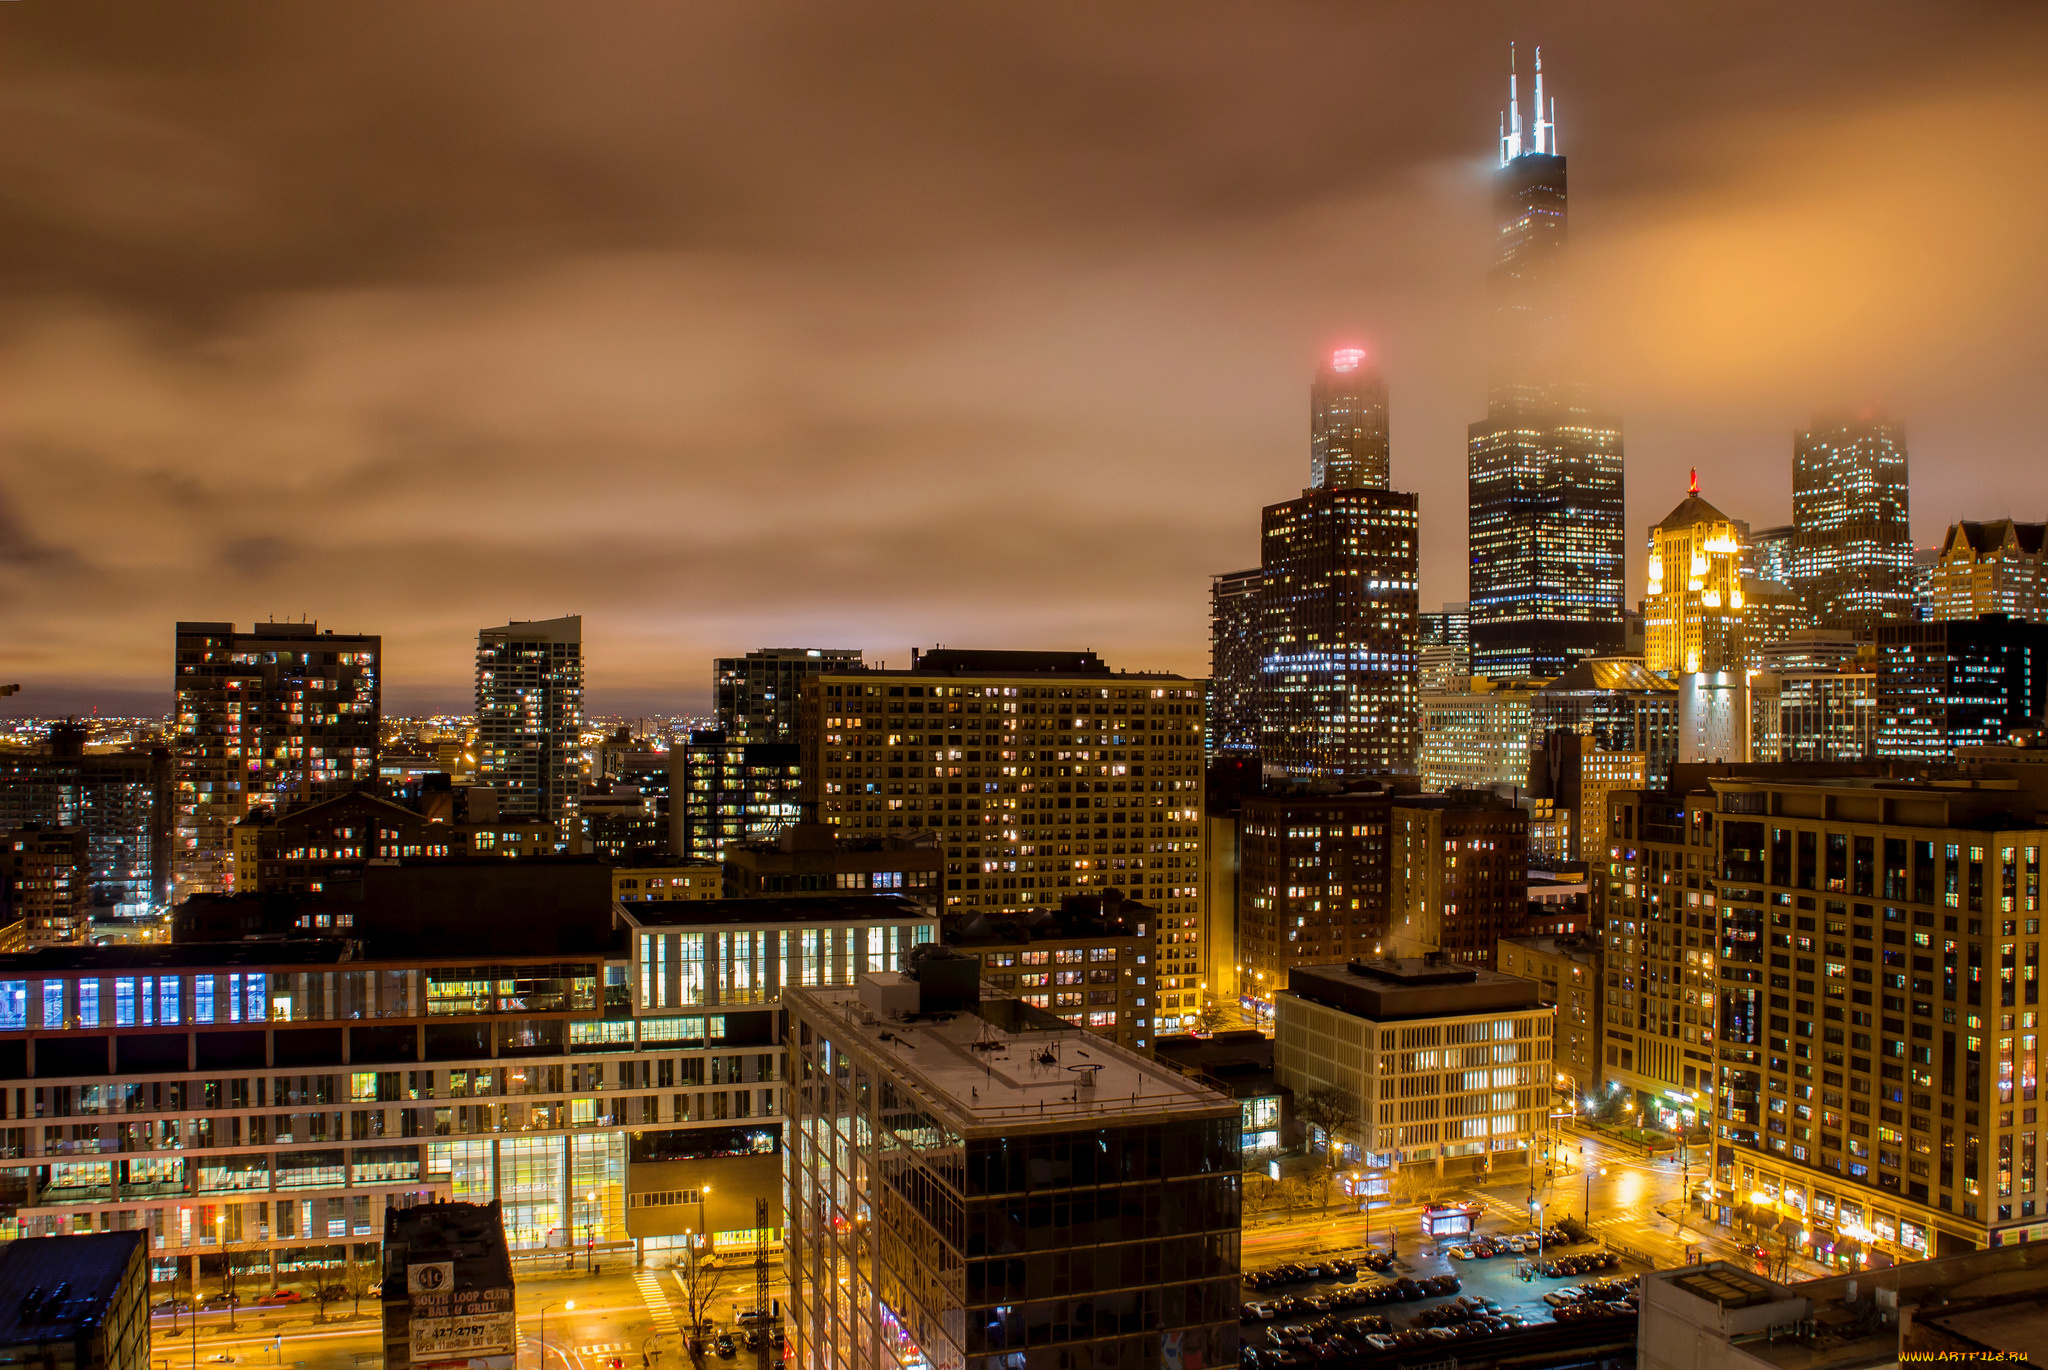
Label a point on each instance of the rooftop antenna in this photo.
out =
(1511, 147)
(1544, 141)
(1694, 489)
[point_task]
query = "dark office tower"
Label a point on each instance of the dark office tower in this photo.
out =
(281, 714)
(529, 719)
(1547, 540)
(1972, 683)
(757, 693)
(1234, 654)
(1337, 687)
(1348, 423)
(1852, 553)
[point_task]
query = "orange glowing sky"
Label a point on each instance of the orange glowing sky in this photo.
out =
(732, 326)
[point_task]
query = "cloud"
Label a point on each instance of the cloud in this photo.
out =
(864, 328)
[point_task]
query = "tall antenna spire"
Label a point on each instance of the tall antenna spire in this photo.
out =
(1542, 129)
(1511, 146)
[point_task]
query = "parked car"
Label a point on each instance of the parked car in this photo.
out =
(753, 1317)
(724, 1344)
(171, 1306)
(223, 1301)
(280, 1296)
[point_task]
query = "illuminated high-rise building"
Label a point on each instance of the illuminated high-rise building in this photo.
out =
(1999, 567)
(1348, 423)
(1693, 617)
(1852, 553)
(1235, 648)
(282, 714)
(1547, 542)
(1338, 599)
(529, 719)
(1314, 652)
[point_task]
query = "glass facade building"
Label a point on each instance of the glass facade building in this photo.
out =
(1547, 536)
(956, 1202)
(265, 1103)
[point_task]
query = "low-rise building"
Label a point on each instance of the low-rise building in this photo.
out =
(264, 1100)
(1239, 1063)
(1441, 1066)
(447, 1290)
(1982, 1308)
(80, 1303)
(811, 858)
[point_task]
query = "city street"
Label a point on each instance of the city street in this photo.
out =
(619, 1314)
(1634, 1201)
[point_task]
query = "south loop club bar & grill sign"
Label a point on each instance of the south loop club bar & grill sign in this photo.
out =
(450, 1323)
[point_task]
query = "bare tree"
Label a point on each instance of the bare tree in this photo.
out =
(703, 1283)
(1211, 1016)
(1330, 1111)
(362, 1274)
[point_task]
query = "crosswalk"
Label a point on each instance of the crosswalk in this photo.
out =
(656, 1299)
(603, 1348)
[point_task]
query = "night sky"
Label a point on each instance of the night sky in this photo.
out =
(877, 325)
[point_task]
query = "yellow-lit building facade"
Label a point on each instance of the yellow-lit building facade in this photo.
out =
(1692, 614)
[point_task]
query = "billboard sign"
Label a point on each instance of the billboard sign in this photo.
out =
(449, 1323)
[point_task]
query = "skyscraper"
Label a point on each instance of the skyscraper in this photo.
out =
(1348, 423)
(1338, 600)
(1693, 611)
(529, 719)
(1547, 539)
(1236, 644)
(1852, 554)
(758, 693)
(1313, 653)
(283, 713)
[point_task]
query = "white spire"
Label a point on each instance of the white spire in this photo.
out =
(1511, 146)
(1542, 124)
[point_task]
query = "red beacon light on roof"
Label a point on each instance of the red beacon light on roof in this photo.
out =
(1347, 359)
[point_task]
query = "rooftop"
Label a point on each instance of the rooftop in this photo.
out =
(1966, 1305)
(169, 956)
(1395, 989)
(1609, 673)
(1238, 1063)
(1002, 1066)
(947, 661)
(53, 1287)
(806, 909)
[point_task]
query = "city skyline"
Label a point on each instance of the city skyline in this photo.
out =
(413, 347)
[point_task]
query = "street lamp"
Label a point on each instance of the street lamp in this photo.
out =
(567, 1306)
(1589, 1190)
(590, 1234)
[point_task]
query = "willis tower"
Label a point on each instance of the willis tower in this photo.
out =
(1548, 540)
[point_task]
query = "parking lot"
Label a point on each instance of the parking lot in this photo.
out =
(1492, 1294)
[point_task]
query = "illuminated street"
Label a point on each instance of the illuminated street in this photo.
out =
(611, 1319)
